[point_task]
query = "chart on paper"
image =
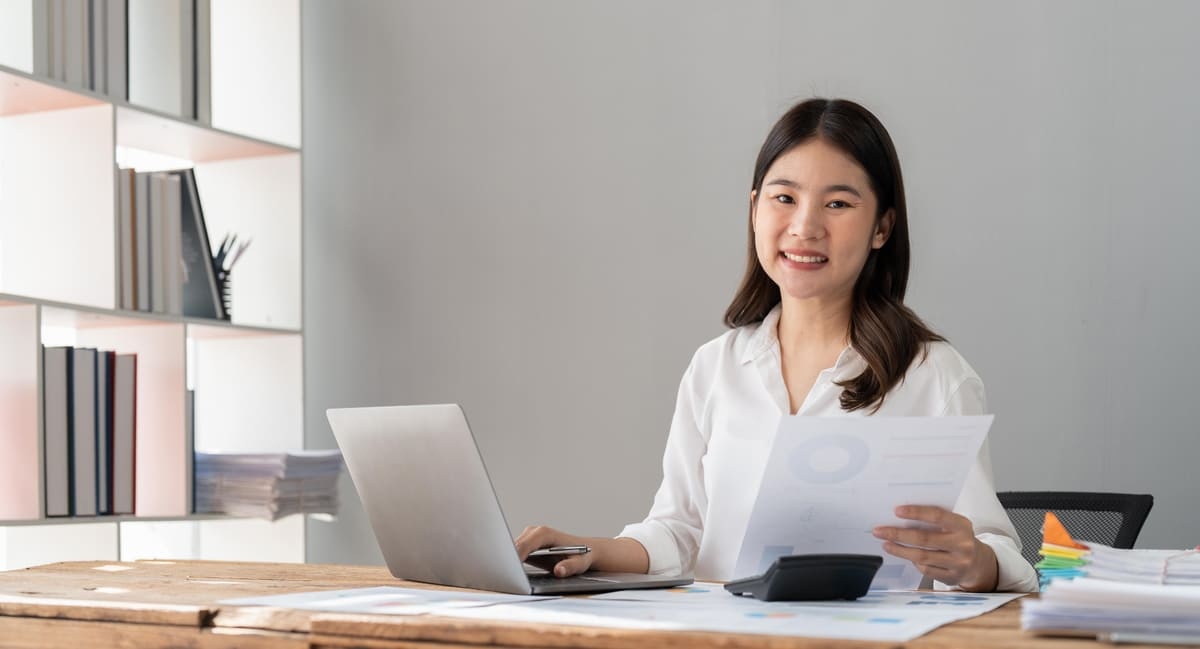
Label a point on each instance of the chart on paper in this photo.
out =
(830, 481)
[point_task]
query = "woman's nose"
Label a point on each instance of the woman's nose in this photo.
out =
(806, 221)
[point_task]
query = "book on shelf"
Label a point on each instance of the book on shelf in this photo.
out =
(104, 378)
(203, 60)
(76, 42)
(200, 295)
(90, 414)
(81, 43)
(42, 42)
(56, 54)
(97, 27)
(124, 433)
(187, 58)
(167, 221)
(83, 431)
(127, 244)
(87, 43)
(56, 414)
(159, 252)
(141, 256)
(168, 44)
(116, 54)
(164, 254)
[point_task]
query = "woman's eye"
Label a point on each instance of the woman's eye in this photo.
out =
(838, 205)
(784, 198)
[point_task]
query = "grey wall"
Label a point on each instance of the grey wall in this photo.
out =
(537, 209)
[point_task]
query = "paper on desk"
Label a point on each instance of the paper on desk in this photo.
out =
(893, 601)
(1100, 606)
(882, 617)
(829, 481)
(383, 600)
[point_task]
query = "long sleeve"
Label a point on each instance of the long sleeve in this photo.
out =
(672, 531)
(978, 502)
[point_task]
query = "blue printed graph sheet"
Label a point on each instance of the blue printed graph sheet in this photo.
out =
(830, 481)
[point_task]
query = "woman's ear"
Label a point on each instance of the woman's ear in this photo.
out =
(753, 209)
(883, 229)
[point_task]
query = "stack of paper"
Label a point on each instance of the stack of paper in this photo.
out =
(1173, 567)
(268, 485)
(1062, 556)
(1118, 595)
(1065, 558)
(1116, 611)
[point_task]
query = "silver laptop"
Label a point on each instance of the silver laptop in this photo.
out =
(433, 509)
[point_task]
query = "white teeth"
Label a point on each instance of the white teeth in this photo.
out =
(803, 259)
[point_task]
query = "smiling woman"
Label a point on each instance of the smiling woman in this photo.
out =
(828, 177)
(818, 328)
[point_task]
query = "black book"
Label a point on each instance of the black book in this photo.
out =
(200, 296)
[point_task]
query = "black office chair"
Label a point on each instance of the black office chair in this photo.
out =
(1111, 519)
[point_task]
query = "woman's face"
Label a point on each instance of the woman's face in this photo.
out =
(814, 222)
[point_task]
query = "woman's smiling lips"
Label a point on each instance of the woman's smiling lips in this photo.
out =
(802, 259)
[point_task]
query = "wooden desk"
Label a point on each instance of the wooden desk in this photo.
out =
(174, 604)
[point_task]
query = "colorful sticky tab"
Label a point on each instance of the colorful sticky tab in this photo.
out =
(1062, 556)
(1054, 533)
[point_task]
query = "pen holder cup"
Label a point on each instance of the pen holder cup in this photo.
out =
(223, 279)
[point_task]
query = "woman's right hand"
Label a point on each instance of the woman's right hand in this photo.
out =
(536, 537)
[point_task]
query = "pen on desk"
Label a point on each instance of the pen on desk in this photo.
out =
(1123, 637)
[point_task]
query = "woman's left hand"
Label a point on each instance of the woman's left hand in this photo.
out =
(946, 551)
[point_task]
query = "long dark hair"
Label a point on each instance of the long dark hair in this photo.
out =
(887, 334)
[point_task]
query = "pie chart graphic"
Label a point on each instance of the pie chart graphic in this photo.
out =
(829, 459)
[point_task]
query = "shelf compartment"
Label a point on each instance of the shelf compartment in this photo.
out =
(57, 205)
(20, 445)
(163, 452)
(255, 67)
(263, 409)
(259, 200)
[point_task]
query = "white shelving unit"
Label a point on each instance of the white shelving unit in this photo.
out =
(58, 284)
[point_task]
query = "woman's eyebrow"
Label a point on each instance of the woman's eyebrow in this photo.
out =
(843, 188)
(849, 189)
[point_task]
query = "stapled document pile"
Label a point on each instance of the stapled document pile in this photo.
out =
(268, 485)
(1118, 595)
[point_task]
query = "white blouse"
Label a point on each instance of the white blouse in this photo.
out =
(730, 401)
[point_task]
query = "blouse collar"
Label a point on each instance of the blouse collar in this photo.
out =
(765, 339)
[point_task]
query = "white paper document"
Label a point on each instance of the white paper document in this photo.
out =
(830, 481)
(384, 600)
(894, 601)
(878, 616)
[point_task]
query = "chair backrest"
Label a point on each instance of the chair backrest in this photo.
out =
(1111, 519)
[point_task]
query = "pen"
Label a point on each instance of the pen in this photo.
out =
(238, 253)
(561, 549)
